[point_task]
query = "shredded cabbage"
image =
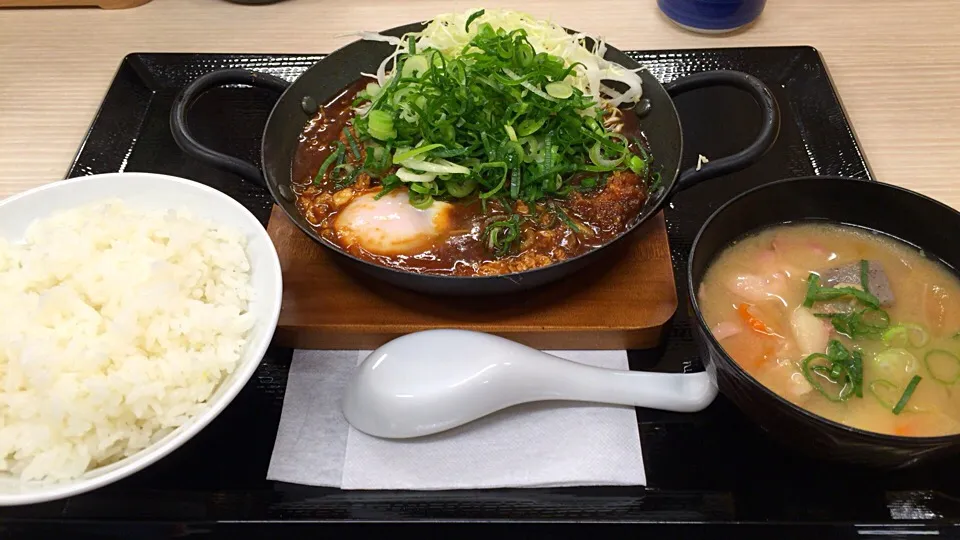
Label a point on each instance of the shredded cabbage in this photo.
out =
(448, 34)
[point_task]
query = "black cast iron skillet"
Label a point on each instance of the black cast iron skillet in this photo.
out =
(325, 79)
(897, 212)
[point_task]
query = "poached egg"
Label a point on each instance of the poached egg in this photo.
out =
(391, 225)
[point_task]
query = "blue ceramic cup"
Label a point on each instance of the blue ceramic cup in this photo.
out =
(712, 15)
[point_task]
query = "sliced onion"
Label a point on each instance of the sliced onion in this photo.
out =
(410, 176)
(375, 36)
(382, 70)
(631, 96)
(447, 33)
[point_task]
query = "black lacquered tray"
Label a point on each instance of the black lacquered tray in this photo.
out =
(711, 474)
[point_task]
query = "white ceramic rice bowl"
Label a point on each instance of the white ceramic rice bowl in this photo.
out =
(153, 192)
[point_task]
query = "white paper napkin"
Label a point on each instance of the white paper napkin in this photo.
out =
(534, 445)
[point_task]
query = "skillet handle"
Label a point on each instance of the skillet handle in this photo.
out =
(770, 123)
(190, 145)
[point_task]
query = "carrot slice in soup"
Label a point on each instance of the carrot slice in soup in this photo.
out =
(904, 430)
(754, 323)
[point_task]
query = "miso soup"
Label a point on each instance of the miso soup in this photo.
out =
(846, 323)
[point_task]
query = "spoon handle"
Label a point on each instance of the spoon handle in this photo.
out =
(686, 392)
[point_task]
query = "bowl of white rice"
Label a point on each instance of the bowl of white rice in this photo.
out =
(135, 307)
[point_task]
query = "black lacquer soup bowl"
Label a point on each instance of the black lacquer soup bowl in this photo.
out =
(908, 216)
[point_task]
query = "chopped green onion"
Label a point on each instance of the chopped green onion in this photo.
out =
(503, 178)
(566, 219)
(473, 16)
(501, 234)
(813, 285)
(895, 335)
(839, 369)
(862, 296)
(559, 90)
(334, 156)
(895, 364)
(461, 189)
(907, 334)
(809, 371)
(378, 160)
(831, 293)
(389, 183)
(425, 188)
(525, 54)
(405, 154)
(381, 125)
(373, 89)
(911, 386)
(353, 142)
(883, 390)
(816, 293)
(874, 318)
(943, 366)
(420, 201)
(515, 181)
(495, 119)
(868, 322)
(637, 165)
(856, 372)
(414, 66)
(349, 178)
(529, 126)
(656, 182)
(596, 156)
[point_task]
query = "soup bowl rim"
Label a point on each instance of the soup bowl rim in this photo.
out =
(796, 409)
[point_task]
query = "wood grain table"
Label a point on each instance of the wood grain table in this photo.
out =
(896, 64)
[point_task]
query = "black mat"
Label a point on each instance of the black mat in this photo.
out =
(711, 474)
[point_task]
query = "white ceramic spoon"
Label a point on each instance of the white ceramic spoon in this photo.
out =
(432, 381)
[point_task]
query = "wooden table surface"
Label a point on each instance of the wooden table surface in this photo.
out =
(897, 67)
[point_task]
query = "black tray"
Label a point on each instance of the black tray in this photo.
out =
(710, 474)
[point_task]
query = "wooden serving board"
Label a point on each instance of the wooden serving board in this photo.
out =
(621, 301)
(105, 4)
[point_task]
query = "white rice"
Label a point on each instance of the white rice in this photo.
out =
(116, 326)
